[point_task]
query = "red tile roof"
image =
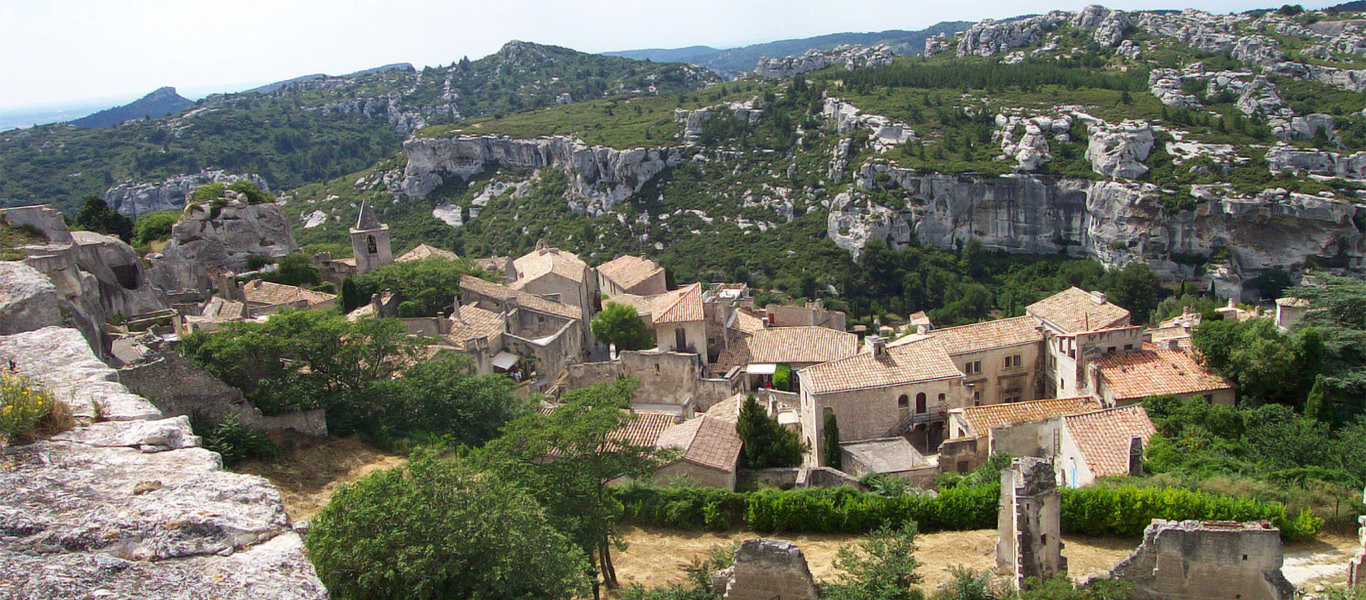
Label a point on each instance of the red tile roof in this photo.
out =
(628, 271)
(983, 419)
(989, 335)
(1103, 437)
(543, 261)
(1140, 374)
(474, 322)
(678, 306)
(706, 441)
(274, 294)
(800, 345)
(524, 299)
(1075, 310)
(423, 251)
(919, 360)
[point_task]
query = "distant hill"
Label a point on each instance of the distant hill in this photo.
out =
(733, 62)
(160, 103)
(1358, 6)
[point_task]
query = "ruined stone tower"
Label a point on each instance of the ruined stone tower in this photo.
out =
(1356, 570)
(1030, 522)
(370, 241)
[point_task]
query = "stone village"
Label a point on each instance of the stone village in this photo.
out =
(1058, 387)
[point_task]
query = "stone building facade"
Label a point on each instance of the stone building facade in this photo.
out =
(370, 247)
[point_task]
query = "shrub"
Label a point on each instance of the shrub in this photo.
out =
(26, 409)
(205, 193)
(154, 226)
(251, 191)
(234, 440)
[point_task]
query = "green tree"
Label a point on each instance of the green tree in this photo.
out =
(767, 444)
(1135, 287)
(621, 325)
(831, 431)
(435, 529)
(567, 459)
(444, 397)
(351, 297)
(95, 215)
(295, 268)
(1337, 309)
(881, 568)
(431, 284)
(154, 226)
(1268, 365)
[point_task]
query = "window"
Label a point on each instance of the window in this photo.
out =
(1013, 361)
(1128, 347)
(370, 245)
(904, 402)
(1110, 350)
(941, 399)
(973, 367)
(920, 403)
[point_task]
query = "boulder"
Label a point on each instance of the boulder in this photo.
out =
(1118, 151)
(211, 238)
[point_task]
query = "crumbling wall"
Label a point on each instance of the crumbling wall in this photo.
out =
(769, 570)
(1029, 523)
(1194, 560)
(179, 387)
(127, 505)
(667, 378)
(1356, 570)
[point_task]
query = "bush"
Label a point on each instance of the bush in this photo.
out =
(27, 410)
(207, 192)
(251, 191)
(154, 226)
(232, 439)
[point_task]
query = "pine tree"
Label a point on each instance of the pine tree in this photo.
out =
(831, 438)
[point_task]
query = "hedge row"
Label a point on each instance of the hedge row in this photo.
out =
(1121, 511)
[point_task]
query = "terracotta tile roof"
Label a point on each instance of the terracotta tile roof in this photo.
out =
(1161, 335)
(1144, 373)
(705, 441)
(645, 429)
(525, 300)
(274, 294)
(474, 322)
(747, 322)
(681, 305)
(983, 419)
(642, 304)
(801, 345)
(1076, 310)
(989, 335)
(728, 409)
(920, 360)
(1103, 437)
(543, 261)
(424, 251)
(628, 271)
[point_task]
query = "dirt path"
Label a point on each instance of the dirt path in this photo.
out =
(309, 473)
(1321, 562)
(656, 557)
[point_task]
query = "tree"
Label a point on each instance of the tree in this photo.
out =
(295, 268)
(567, 459)
(832, 458)
(767, 444)
(882, 568)
(621, 325)
(435, 529)
(350, 295)
(95, 215)
(446, 398)
(431, 284)
(1268, 366)
(1337, 309)
(1135, 287)
(154, 226)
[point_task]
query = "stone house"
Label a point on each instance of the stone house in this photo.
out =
(811, 314)
(998, 358)
(631, 275)
(1078, 327)
(478, 333)
(797, 347)
(883, 392)
(545, 335)
(972, 429)
(560, 276)
(709, 452)
(1289, 311)
(680, 321)
(889, 456)
(1083, 447)
(1126, 378)
(424, 251)
(265, 297)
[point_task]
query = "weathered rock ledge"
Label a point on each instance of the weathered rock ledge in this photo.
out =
(131, 507)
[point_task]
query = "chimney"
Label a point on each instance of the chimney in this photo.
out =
(877, 345)
(455, 312)
(1100, 297)
(1173, 344)
(1135, 456)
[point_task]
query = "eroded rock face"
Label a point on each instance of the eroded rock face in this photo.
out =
(989, 37)
(132, 508)
(1319, 162)
(1119, 150)
(1114, 222)
(205, 239)
(600, 177)
(849, 55)
(133, 199)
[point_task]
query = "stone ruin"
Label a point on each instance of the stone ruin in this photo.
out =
(1356, 570)
(1180, 560)
(1030, 522)
(767, 570)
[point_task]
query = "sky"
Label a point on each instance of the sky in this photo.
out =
(72, 52)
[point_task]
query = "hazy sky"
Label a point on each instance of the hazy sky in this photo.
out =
(69, 51)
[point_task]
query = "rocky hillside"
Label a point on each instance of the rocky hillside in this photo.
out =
(1219, 149)
(315, 128)
(164, 101)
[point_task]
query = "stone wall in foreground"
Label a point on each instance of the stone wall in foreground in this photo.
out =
(127, 505)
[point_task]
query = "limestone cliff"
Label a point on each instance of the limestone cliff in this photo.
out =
(134, 198)
(130, 506)
(1113, 222)
(600, 177)
(222, 235)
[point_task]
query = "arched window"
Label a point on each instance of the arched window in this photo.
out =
(370, 245)
(920, 403)
(904, 402)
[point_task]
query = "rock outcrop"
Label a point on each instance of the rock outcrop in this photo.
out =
(131, 507)
(1318, 162)
(847, 55)
(211, 236)
(990, 38)
(133, 199)
(1107, 26)
(600, 177)
(1114, 222)
(1118, 150)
